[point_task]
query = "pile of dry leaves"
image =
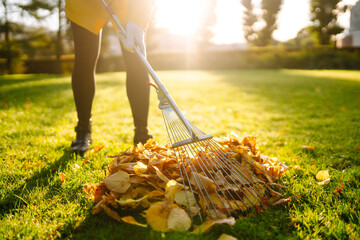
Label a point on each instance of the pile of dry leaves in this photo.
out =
(148, 178)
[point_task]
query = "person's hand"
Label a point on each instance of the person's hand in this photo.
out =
(134, 38)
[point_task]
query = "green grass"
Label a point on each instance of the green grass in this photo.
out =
(297, 107)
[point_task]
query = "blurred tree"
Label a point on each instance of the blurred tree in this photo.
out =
(6, 29)
(35, 7)
(304, 39)
(249, 20)
(205, 32)
(270, 10)
(324, 14)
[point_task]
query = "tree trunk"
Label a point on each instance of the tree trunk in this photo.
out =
(8, 54)
(59, 48)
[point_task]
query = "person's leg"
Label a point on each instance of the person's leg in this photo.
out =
(138, 93)
(87, 47)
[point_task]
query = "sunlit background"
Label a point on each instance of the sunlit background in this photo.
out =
(183, 17)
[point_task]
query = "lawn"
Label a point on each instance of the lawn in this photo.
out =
(318, 108)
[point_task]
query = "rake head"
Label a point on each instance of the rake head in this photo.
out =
(217, 182)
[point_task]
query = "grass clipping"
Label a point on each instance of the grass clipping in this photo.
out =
(149, 179)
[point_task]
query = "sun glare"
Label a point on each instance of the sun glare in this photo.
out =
(181, 17)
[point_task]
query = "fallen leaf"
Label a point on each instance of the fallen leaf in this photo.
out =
(207, 225)
(357, 148)
(157, 215)
(282, 201)
(86, 160)
(322, 175)
(131, 220)
(111, 213)
(279, 143)
(178, 220)
(225, 236)
(98, 148)
(62, 178)
(338, 190)
(118, 182)
(140, 168)
(326, 181)
(308, 147)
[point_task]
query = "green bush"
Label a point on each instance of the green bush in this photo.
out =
(254, 58)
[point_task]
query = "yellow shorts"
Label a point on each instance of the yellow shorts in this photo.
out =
(92, 15)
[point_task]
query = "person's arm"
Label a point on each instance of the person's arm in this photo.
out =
(139, 12)
(137, 18)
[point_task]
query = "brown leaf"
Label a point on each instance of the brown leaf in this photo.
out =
(118, 182)
(282, 201)
(62, 178)
(308, 147)
(86, 160)
(98, 148)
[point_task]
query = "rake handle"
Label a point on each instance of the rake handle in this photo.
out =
(151, 71)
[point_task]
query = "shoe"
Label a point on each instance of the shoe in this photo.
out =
(83, 139)
(141, 135)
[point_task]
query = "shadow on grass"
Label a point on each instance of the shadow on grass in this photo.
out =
(16, 79)
(42, 90)
(15, 199)
(246, 227)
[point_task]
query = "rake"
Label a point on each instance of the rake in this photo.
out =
(215, 183)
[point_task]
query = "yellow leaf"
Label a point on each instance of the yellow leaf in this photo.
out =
(111, 213)
(171, 188)
(140, 168)
(157, 215)
(226, 237)
(201, 181)
(185, 198)
(210, 223)
(308, 147)
(178, 220)
(131, 220)
(322, 175)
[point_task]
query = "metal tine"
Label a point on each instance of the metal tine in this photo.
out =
(178, 132)
(193, 153)
(200, 157)
(181, 157)
(240, 176)
(237, 170)
(181, 173)
(233, 180)
(193, 169)
(250, 190)
(202, 144)
(224, 184)
(226, 157)
(252, 175)
(196, 129)
(187, 149)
